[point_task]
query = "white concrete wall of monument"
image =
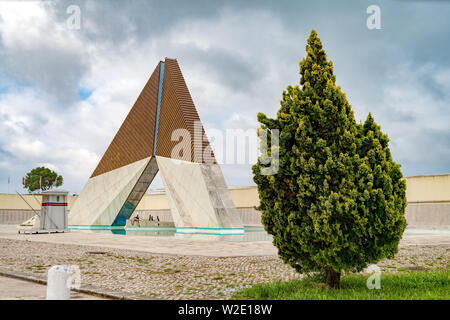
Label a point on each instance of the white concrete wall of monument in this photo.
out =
(103, 195)
(198, 194)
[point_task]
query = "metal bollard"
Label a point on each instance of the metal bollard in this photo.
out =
(58, 287)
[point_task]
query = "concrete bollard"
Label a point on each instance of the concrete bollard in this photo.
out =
(58, 287)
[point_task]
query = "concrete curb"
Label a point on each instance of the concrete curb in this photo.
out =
(87, 289)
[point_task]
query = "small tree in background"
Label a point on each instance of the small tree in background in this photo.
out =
(337, 201)
(46, 176)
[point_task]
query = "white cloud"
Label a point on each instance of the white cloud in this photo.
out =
(415, 117)
(236, 64)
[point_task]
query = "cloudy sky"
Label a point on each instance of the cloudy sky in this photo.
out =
(64, 92)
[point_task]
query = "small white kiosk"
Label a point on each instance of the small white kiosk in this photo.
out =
(53, 210)
(53, 215)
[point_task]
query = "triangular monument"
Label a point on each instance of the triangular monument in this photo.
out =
(161, 132)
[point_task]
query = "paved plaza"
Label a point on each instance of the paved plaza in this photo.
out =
(174, 246)
(169, 268)
(149, 244)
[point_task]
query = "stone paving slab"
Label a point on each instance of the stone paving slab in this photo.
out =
(15, 289)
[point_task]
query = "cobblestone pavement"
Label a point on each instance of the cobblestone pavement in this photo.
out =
(179, 276)
(157, 276)
(418, 257)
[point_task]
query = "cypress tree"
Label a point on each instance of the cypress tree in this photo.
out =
(337, 201)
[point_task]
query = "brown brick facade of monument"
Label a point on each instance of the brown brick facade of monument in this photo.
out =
(135, 139)
(178, 112)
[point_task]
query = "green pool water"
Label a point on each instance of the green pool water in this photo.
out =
(250, 233)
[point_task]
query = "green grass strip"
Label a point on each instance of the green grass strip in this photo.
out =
(409, 285)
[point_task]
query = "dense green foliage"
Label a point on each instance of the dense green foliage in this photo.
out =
(413, 285)
(338, 199)
(46, 176)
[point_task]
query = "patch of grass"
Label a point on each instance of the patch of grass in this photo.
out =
(39, 268)
(170, 271)
(142, 261)
(152, 294)
(408, 285)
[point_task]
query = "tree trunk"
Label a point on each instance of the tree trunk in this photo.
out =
(333, 278)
